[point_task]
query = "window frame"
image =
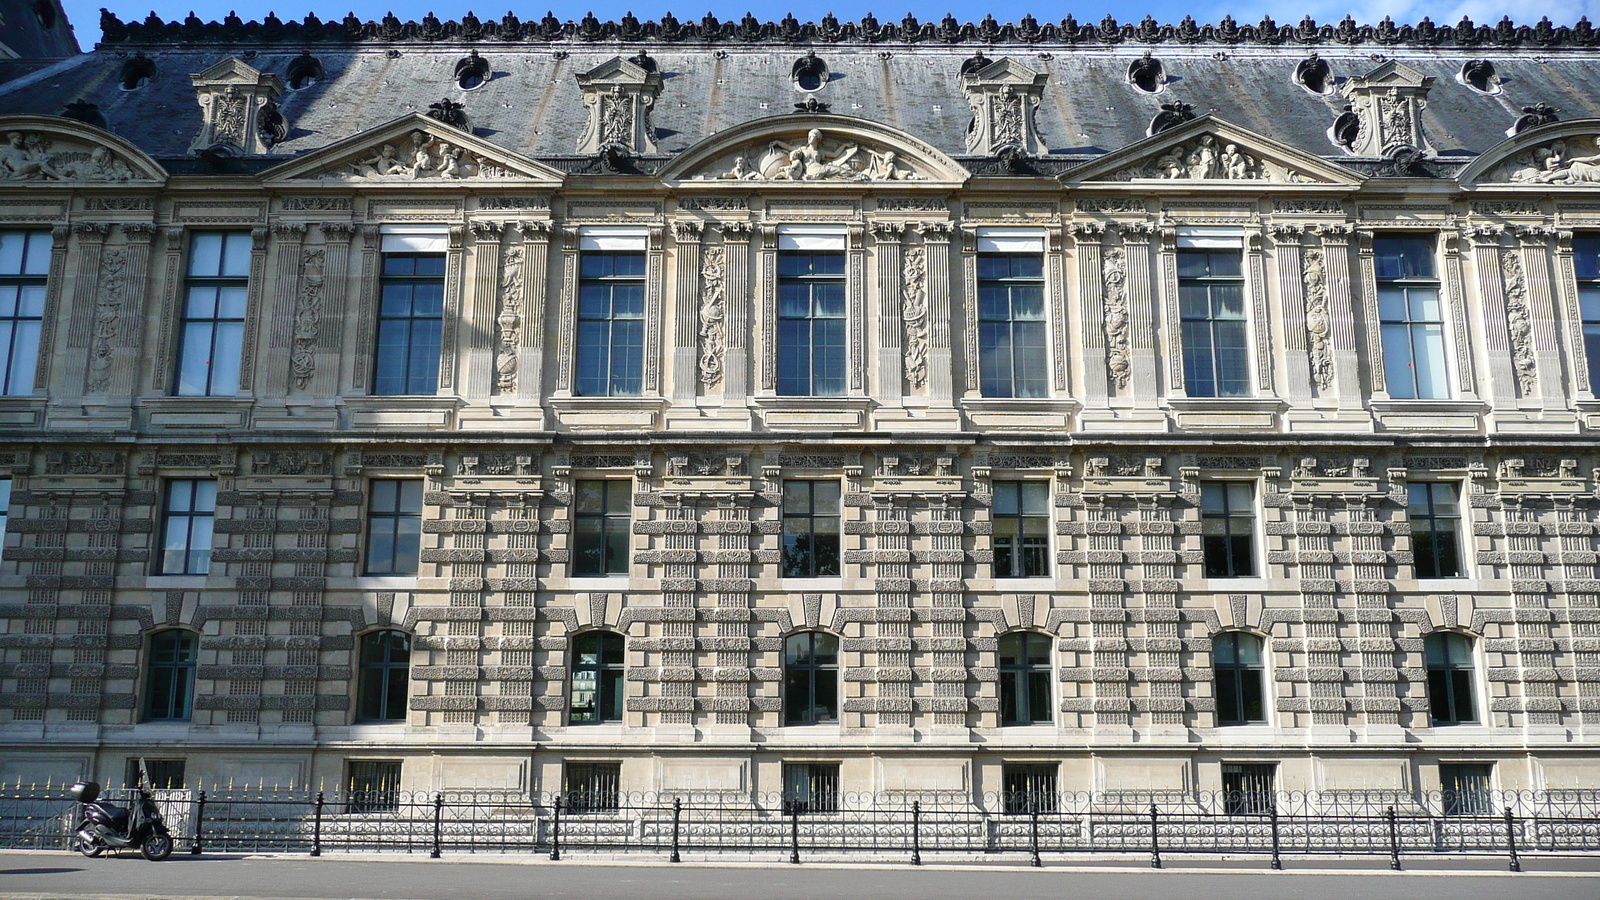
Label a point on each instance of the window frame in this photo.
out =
(1432, 519)
(1029, 380)
(411, 319)
(1242, 675)
(617, 383)
(1229, 517)
(1456, 800)
(1020, 556)
(1586, 269)
(1021, 679)
(1188, 328)
(610, 677)
(189, 518)
(835, 354)
(822, 782)
(1030, 787)
(383, 670)
(815, 564)
(383, 798)
(397, 517)
(1388, 326)
(31, 284)
(216, 283)
(179, 686)
(596, 796)
(612, 525)
(1451, 678)
(813, 673)
(1245, 798)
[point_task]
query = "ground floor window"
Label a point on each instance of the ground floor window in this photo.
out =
(811, 787)
(161, 774)
(1248, 788)
(1466, 789)
(594, 787)
(372, 785)
(1030, 787)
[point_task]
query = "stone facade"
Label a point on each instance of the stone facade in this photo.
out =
(706, 447)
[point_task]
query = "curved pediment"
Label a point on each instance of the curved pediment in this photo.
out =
(1560, 153)
(814, 149)
(1211, 150)
(55, 151)
(414, 150)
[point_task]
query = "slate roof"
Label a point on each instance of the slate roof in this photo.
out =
(532, 105)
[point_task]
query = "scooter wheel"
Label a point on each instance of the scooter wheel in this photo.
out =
(91, 849)
(156, 847)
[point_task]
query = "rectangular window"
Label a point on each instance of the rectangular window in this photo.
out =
(811, 529)
(394, 527)
(191, 505)
(1586, 259)
(410, 318)
(594, 787)
(811, 787)
(1216, 343)
(1248, 789)
(372, 785)
(24, 265)
(811, 318)
(5, 511)
(1030, 787)
(1435, 514)
(1012, 360)
(602, 518)
(1412, 318)
(1227, 527)
(161, 774)
(1021, 529)
(212, 331)
(610, 360)
(1465, 789)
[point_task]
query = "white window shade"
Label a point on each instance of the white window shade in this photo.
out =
(816, 237)
(1203, 237)
(613, 239)
(1010, 240)
(415, 239)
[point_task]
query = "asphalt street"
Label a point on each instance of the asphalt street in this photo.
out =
(61, 875)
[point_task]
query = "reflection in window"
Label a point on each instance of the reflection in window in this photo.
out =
(24, 265)
(810, 788)
(169, 675)
(1227, 528)
(1025, 679)
(1435, 515)
(1448, 656)
(410, 324)
(601, 520)
(1412, 318)
(211, 336)
(1240, 678)
(811, 679)
(394, 527)
(1216, 345)
(1021, 529)
(810, 529)
(1011, 345)
(1586, 260)
(385, 676)
(186, 523)
(597, 670)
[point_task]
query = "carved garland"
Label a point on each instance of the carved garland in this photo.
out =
(510, 321)
(307, 318)
(1317, 324)
(1118, 353)
(1520, 321)
(107, 317)
(712, 315)
(914, 312)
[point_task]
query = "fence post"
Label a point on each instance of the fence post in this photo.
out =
(1394, 839)
(677, 814)
(916, 832)
(1511, 840)
(1155, 846)
(1033, 833)
(1277, 861)
(794, 831)
(199, 820)
(438, 821)
(555, 833)
(316, 826)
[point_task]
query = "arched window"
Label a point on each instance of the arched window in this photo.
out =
(169, 678)
(597, 664)
(811, 679)
(1025, 679)
(1449, 659)
(385, 676)
(1240, 678)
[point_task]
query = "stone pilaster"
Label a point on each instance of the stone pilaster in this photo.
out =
(480, 338)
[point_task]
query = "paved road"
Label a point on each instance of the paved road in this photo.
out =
(59, 875)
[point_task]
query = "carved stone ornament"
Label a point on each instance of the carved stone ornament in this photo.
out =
(108, 318)
(1315, 271)
(237, 105)
(510, 321)
(1114, 270)
(1003, 95)
(1389, 102)
(619, 95)
(419, 156)
(1519, 321)
(713, 310)
(1570, 160)
(1207, 159)
(817, 157)
(34, 156)
(914, 312)
(307, 317)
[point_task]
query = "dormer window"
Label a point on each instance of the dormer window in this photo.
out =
(810, 73)
(1147, 74)
(136, 72)
(1346, 129)
(1315, 75)
(1479, 74)
(472, 71)
(305, 71)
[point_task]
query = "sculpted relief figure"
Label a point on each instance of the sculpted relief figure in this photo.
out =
(30, 157)
(1553, 164)
(1201, 160)
(423, 156)
(819, 160)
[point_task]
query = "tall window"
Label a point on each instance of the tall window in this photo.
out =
(1248, 789)
(1025, 679)
(1216, 343)
(1466, 789)
(1586, 258)
(372, 785)
(597, 669)
(1021, 529)
(811, 787)
(593, 787)
(1449, 659)
(811, 323)
(5, 510)
(394, 526)
(191, 505)
(1240, 678)
(1030, 788)
(810, 529)
(169, 675)
(811, 679)
(1412, 318)
(600, 528)
(1227, 528)
(410, 322)
(1435, 514)
(24, 265)
(385, 676)
(212, 331)
(1012, 361)
(610, 361)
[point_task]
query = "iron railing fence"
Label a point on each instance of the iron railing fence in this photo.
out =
(867, 826)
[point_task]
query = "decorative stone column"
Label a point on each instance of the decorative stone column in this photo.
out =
(481, 327)
(1505, 359)
(1454, 298)
(1261, 312)
(531, 359)
(1368, 311)
(323, 329)
(1535, 257)
(1302, 281)
(1567, 287)
(1145, 349)
(686, 350)
(893, 334)
(253, 303)
(91, 240)
(1342, 313)
(736, 361)
(1099, 333)
(941, 357)
(59, 235)
(118, 316)
(359, 348)
(453, 261)
(272, 380)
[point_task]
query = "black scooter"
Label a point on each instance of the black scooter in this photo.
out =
(106, 827)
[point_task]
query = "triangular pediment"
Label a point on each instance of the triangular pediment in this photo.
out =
(1209, 150)
(1392, 73)
(1561, 153)
(617, 70)
(413, 151)
(1006, 70)
(809, 149)
(49, 150)
(231, 71)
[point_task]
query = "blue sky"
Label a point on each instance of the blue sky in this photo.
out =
(85, 14)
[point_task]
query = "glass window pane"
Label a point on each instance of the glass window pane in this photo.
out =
(13, 251)
(205, 254)
(236, 255)
(1430, 365)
